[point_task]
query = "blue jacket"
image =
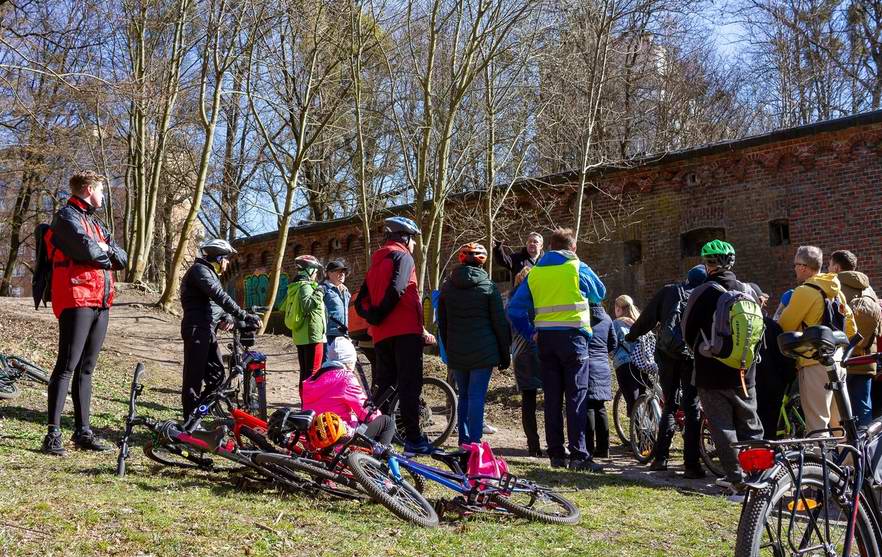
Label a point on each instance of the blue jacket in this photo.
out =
(603, 342)
(336, 308)
(521, 310)
(622, 354)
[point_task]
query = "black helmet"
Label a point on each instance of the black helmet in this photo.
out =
(401, 225)
(216, 249)
(278, 427)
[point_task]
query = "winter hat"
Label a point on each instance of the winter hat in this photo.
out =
(696, 276)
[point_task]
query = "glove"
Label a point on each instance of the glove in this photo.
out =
(253, 320)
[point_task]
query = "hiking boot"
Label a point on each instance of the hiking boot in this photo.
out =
(558, 462)
(659, 465)
(52, 444)
(88, 441)
(586, 465)
(694, 472)
(421, 446)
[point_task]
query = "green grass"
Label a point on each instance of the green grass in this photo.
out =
(76, 506)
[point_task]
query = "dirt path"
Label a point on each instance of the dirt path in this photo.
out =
(141, 331)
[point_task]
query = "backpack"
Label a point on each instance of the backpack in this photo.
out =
(293, 312)
(643, 354)
(483, 463)
(738, 322)
(670, 334)
(41, 283)
(833, 314)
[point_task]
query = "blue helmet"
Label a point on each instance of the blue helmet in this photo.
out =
(401, 225)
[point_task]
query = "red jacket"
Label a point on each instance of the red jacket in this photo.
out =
(81, 270)
(388, 299)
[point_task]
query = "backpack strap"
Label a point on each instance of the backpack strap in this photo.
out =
(823, 300)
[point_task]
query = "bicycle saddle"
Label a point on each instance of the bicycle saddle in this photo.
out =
(811, 342)
(300, 421)
(457, 460)
(211, 438)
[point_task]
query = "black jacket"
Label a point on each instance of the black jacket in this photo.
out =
(711, 373)
(204, 299)
(471, 321)
(660, 306)
(71, 238)
(514, 262)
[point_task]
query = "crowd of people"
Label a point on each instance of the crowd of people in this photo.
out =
(714, 339)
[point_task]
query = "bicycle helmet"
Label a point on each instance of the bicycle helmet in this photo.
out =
(473, 253)
(718, 253)
(326, 429)
(308, 263)
(401, 225)
(216, 249)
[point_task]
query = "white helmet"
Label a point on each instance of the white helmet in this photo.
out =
(216, 249)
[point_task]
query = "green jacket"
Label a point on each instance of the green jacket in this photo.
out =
(304, 309)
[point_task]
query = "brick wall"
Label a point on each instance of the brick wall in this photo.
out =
(821, 183)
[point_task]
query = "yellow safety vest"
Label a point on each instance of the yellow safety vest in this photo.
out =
(557, 300)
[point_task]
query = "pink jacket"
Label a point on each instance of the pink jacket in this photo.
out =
(337, 391)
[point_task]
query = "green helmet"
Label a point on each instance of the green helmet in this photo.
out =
(719, 253)
(717, 247)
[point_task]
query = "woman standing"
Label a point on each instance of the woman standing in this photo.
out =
(475, 333)
(525, 356)
(626, 374)
(603, 342)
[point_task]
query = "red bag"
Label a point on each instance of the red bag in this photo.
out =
(482, 461)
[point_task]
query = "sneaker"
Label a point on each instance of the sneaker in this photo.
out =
(659, 465)
(695, 472)
(724, 483)
(558, 462)
(88, 441)
(489, 429)
(52, 444)
(421, 446)
(586, 465)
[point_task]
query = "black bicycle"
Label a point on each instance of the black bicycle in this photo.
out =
(13, 369)
(817, 495)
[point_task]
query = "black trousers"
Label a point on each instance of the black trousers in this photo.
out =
(528, 418)
(81, 334)
(597, 429)
(676, 374)
(203, 366)
(631, 384)
(400, 364)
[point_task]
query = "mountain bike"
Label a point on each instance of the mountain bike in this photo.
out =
(817, 495)
(14, 369)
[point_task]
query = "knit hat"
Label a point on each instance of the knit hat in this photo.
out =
(696, 276)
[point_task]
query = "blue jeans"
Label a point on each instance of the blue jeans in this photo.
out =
(472, 386)
(859, 389)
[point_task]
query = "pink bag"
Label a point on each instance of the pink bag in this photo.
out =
(482, 461)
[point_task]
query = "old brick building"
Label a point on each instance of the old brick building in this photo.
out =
(818, 184)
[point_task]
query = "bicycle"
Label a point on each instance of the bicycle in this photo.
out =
(791, 421)
(814, 495)
(16, 368)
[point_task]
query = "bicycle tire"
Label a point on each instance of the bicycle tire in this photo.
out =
(9, 390)
(759, 505)
(401, 498)
(167, 456)
(446, 413)
(708, 450)
(348, 487)
(621, 419)
(30, 369)
(570, 514)
(644, 427)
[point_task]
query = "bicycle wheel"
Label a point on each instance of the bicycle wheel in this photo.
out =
(533, 502)
(401, 498)
(708, 450)
(30, 369)
(621, 419)
(171, 454)
(8, 390)
(437, 412)
(329, 481)
(818, 524)
(645, 419)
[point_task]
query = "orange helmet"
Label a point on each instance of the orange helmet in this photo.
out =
(472, 253)
(327, 428)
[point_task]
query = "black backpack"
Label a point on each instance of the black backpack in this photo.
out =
(833, 315)
(670, 335)
(41, 283)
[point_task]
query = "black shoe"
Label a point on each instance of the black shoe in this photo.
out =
(558, 462)
(586, 465)
(88, 441)
(659, 465)
(694, 472)
(52, 444)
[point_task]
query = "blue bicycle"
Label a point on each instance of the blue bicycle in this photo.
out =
(380, 475)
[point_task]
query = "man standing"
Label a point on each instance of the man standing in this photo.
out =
(526, 257)
(83, 257)
(864, 305)
(336, 301)
(553, 307)
(207, 307)
(304, 309)
(727, 393)
(389, 301)
(675, 364)
(817, 301)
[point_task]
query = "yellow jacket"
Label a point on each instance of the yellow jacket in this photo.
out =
(806, 308)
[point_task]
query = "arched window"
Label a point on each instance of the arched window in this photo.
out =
(691, 242)
(264, 258)
(315, 248)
